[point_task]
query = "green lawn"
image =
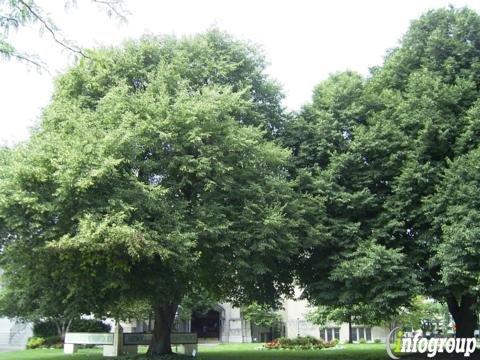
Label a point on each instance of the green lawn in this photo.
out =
(226, 352)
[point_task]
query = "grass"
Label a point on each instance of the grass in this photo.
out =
(226, 352)
(252, 352)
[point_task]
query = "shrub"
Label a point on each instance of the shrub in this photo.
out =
(53, 341)
(300, 343)
(48, 328)
(44, 329)
(377, 341)
(45, 342)
(272, 345)
(363, 341)
(330, 344)
(89, 325)
(35, 342)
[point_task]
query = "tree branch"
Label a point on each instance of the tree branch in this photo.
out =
(112, 6)
(6, 20)
(50, 29)
(23, 57)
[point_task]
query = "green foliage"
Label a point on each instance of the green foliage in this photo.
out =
(44, 329)
(456, 205)
(153, 173)
(89, 325)
(300, 343)
(47, 329)
(53, 342)
(260, 315)
(385, 174)
(434, 106)
(356, 314)
(35, 342)
(225, 351)
(197, 301)
(420, 312)
(340, 199)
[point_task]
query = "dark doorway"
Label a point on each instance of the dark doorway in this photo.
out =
(207, 326)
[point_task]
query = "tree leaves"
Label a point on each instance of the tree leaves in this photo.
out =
(141, 193)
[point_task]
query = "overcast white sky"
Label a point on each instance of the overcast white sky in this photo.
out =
(303, 40)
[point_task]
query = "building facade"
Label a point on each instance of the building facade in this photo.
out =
(224, 323)
(296, 324)
(14, 334)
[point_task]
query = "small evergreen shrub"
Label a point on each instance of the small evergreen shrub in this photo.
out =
(35, 342)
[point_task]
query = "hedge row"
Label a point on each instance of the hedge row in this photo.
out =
(300, 343)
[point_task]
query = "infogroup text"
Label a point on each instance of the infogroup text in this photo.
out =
(432, 346)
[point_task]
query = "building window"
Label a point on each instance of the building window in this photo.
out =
(368, 334)
(330, 334)
(361, 333)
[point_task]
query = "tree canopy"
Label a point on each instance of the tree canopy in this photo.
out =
(153, 172)
(168, 166)
(384, 222)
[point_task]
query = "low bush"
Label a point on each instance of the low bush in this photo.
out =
(363, 341)
(89, 325)
(53, 342)
(377, 341)
(300, 343)
(45, 342)
(48, 328)
(44, 329)
(35, 342)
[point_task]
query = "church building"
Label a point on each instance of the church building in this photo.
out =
(225, 324)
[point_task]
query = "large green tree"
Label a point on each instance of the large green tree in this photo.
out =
(154, 172)
(455, 210)
(377, 235)
(428, 89)
(342, 170)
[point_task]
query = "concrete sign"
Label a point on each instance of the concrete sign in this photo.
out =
(89, 338)
(146, 338)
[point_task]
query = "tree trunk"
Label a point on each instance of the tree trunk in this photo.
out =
(350, 340)
(59, 330)
(162, 328)
(149, 322)
(464, 315)
(62, 327)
